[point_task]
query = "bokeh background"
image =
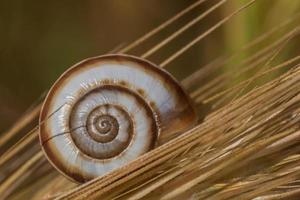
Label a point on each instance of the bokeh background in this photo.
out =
(41, 39)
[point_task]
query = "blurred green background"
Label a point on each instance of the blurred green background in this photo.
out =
(41, 39)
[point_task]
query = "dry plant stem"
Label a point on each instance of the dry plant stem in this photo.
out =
(20, 124)
(213, 86)
(273, 30)
(240, 107)
(52, 188)
(203, 72)
(17, 147)
(28, 176)
(288, 195)
(218, 156)
(181, 30)
(22, 143)
(266, 65)
(151, 185)
(293, 34)
(12, 154)
(238, 186)
(251, 61)
(282, 65)
(285, 177)
(31, 186)
(203, 35)
(117, 48)
(161, 27)
(122, 177)
(21, 172)
(222, 60)
(228, 163)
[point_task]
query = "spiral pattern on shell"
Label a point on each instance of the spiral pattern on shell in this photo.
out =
(106, 111)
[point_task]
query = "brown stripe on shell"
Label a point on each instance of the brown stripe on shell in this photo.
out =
(104, 138)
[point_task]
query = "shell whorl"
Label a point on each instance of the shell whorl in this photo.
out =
(103, 124)
(106, 111)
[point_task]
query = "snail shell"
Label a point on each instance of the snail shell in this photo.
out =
(108, 110)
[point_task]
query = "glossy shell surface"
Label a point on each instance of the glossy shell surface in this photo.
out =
(106, 111)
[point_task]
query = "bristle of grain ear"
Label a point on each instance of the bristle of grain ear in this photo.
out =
(216, 85)
(19, 174)
(164, 25)
(24, 121)
(218, 63)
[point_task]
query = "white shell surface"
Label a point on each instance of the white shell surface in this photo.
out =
(151, 97)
